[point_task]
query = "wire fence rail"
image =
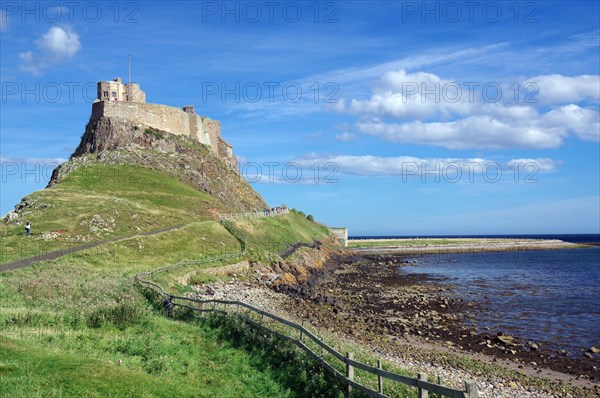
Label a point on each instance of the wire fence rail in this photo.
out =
(295, 333)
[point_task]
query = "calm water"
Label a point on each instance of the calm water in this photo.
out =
(546, 295)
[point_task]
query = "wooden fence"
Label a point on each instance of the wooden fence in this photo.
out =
(254, 214)
(299, 335)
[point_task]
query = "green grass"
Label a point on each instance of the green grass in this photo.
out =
(66, 323)
(154, 133)
(163, 359)
(129, 199)
(271, 235)
(30, 371)
(86, 306)
(201, 278)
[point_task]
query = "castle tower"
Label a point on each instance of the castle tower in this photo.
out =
(116, 91)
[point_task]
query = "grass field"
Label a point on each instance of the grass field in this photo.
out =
(94, 204)
(77, 326)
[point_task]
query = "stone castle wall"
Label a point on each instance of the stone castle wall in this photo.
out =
(210, 130)
(167, 118)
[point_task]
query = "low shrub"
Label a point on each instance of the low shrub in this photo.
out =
(121, 314)
(154, 133)
(201, 278)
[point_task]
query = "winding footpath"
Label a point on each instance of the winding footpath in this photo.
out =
(63, 252)
(223, 219)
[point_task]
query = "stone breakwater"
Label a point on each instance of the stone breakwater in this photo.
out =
(414, 322)
(455, 245)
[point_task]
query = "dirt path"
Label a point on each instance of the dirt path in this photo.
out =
(63, 252)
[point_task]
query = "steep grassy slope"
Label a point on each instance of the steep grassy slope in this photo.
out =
(179, 157)
(101, 202)
(267, 237)
(80, 315)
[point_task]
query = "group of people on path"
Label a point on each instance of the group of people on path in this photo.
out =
(275, 210)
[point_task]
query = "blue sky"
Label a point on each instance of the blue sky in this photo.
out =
(405, 118)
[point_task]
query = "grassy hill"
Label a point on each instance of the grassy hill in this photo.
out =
(101, 202)
(62, 321)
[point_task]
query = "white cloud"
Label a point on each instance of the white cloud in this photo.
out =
(55, 46)
(278, 173)
(559, 89)
(471, 132)
(352, 81)
(59, 42)
(399, 94)
(346, 137)
(539, 164)
(585, 123)
(424, 108)
(367, 165)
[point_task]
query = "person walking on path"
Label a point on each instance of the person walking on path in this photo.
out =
(28, 229)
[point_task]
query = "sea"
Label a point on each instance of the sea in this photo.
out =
(546, 296)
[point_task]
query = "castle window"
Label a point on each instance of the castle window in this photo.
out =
(105, 94)
(114, 94)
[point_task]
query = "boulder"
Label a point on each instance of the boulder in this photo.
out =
(10, 217)
(506, 339)
(533, 346)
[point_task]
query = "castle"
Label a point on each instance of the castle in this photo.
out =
(128, 102)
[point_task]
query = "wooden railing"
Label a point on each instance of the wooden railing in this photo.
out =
(256, 318)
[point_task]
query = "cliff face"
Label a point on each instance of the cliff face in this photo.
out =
(105, 134)
(120, 142)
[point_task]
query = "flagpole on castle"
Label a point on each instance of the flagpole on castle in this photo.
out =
(129, 70)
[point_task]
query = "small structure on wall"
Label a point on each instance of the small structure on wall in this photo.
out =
(115, 90)
(341, 234)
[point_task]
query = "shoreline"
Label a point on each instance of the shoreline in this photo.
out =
(418, 326)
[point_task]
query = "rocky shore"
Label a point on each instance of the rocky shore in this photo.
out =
(411, 321)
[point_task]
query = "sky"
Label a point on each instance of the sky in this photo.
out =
(386, 117)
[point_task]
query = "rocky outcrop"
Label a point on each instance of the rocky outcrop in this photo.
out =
(27, 205)
(108, 141)
(109, 134)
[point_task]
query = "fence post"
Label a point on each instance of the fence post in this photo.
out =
(471, 388)
(422, 393)
(349, 370)
(301, 332)
(379, 378)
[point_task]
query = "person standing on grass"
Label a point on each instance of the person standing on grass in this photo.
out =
(28, 229)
